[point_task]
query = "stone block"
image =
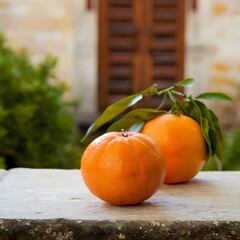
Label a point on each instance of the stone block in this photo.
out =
(55, 204)
(2, 173)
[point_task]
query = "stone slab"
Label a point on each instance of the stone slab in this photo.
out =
(55, 204)
(2, 173)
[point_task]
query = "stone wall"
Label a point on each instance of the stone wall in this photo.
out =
(214, 54)
(42, 27)
(225, 67)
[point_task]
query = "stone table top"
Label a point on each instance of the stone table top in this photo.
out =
(40, 203)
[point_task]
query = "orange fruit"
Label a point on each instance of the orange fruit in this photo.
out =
(123, 168)
(182, 143)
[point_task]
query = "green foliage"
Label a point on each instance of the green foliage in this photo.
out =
(181, 104)
(117, 108)
(231, 154)
(231, 159)
(2, 163)
(37, 128)
(135, 119)
(214, 96)
(209, 123)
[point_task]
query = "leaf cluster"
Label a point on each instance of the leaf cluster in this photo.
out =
(191, 106)
(37, 128)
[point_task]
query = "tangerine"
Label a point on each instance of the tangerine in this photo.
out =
(182, 143)
(123, 168)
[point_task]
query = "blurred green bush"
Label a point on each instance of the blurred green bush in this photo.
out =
(37, 127)
(231, 157)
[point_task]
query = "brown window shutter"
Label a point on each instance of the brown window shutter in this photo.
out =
(141, 42)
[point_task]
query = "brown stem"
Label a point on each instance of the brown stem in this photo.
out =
(124, 133)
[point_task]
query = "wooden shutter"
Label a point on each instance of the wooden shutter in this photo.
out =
(140, 43)
(166, 42)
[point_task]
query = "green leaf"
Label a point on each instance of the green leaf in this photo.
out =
(217, 125)
(210, 126)
(137, 127)
(208, 113)
(215, 134)
(215, 96)
(189, 82)
(218, 164)
(205, 131)
(117, 108)
(221, 142)
(135, 119)
(191, 109)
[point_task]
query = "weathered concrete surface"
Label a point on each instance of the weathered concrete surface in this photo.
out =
(2, 174)
(55, 204)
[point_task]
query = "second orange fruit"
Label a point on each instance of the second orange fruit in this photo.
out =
(182, 143)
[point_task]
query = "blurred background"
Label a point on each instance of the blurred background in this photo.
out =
(100, 52)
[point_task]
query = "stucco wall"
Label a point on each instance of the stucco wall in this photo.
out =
(225, 67)
(213, 53)
(41, 27)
